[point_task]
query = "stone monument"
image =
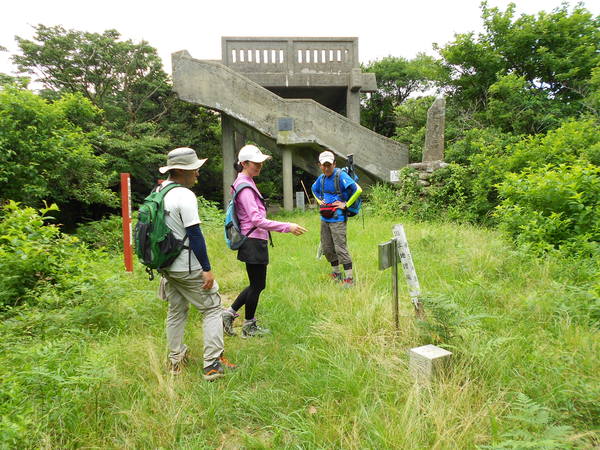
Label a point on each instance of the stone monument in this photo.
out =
(433, 153)
(434, 139)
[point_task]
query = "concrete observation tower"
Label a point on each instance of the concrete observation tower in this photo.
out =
(294, 95)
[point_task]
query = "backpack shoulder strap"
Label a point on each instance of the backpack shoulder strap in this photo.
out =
(239, 188)
(164, 190)
(242, 186)
(322, 177)
(336, 181)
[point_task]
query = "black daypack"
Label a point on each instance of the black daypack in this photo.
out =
(155, 244)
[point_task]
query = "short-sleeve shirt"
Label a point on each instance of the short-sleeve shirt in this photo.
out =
(330, 195)
(181, 207)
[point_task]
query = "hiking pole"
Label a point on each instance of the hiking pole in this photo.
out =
(305, 192)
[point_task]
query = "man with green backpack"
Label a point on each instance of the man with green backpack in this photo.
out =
(168, 238)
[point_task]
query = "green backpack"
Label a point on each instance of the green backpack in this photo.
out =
(155, 244)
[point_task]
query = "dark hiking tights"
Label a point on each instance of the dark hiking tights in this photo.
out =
(257, 275)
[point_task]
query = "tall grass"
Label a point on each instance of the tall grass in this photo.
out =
(524, 333)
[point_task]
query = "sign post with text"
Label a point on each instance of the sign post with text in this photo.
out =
(390, 253)
(126, 215)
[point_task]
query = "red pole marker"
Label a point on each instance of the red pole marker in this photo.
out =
(126, 215)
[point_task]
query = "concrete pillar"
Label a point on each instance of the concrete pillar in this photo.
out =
(239, 140)
(229, 156)
(353, 105)
(288, 187)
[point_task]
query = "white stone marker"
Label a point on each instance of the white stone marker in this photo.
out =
(300, 200)
(427, 360)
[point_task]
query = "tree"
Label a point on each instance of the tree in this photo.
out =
(411, 121)
(397, 80)
(514, 108)
(554, 53)
(141, 117)
(44, 156)
(123, 78)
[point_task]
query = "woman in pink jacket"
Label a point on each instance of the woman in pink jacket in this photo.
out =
(252, 216)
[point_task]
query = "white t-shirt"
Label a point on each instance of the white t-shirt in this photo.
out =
(181, 209)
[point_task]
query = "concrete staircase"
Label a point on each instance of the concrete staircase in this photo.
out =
(303, 125)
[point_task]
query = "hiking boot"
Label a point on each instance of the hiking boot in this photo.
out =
(226, 364)
(253, 330)
(214, 371)
(347, 282)
(336, 276)
(228, 318)
(176, 367)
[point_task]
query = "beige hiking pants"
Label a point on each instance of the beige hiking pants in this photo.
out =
(180, 289)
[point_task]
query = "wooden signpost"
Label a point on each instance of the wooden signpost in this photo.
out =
(428, 360)
(390, 253)
(126, 215)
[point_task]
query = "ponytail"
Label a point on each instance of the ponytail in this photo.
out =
(238, 167)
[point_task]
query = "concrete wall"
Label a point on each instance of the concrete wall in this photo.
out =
(297, 62)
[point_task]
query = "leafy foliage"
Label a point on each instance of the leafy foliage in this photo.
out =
(102, 234)
(553, 207)
(397, 79)
(487, 156)
(553, 53)
(533, 428)
(124, 79)
(32, 253)
(211, 215)
(139, 116)
(411, 121)
(43, 155)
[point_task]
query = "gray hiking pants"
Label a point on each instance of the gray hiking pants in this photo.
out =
(333, 242)
(180, 289)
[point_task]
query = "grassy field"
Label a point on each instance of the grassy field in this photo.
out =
(334, 374)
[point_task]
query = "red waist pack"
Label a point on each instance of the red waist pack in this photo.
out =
(327, 210)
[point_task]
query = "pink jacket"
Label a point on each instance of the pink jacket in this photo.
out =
(252, 213)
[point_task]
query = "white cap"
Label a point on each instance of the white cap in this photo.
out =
(326, 157)
(184, 158)
(251, 153)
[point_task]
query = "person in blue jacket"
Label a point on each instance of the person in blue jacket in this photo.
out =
(335, 191)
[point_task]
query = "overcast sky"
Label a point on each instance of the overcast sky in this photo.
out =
(390, 27)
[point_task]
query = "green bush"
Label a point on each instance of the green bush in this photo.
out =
(106, 233)
(446, 198)
(450, 193)
(210, 213)
(382, 200)
(32, 252)
(490, 155)
(44, 156)
(553, 207)
(387, 200)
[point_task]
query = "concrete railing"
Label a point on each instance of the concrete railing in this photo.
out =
(290, 55)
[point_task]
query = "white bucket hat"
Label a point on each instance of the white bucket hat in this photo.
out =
(184, 158)
(326, 157)
(252, 153)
